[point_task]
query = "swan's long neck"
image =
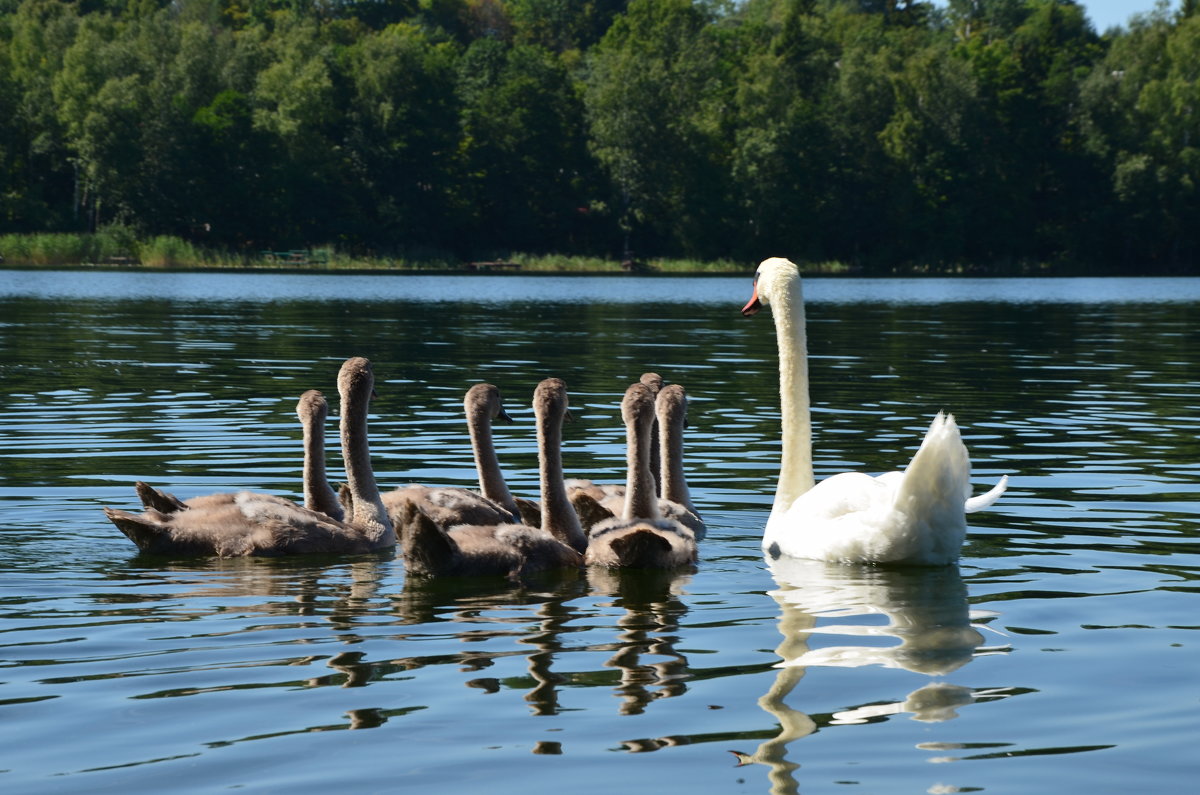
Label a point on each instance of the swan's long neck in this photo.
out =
(672, 482)
(487, 465)
(641, 502)
(368, 511)
(795, 468)
(558, 516)
(318, 496)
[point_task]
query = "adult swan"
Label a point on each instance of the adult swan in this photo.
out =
(912, 517)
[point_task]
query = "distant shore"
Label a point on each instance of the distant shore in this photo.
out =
(118, 250)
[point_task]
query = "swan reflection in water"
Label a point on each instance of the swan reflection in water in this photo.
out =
(926, 611)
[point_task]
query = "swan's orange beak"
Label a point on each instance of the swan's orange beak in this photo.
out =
(753, 305)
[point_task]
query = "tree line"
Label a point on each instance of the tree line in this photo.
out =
(1000, 135)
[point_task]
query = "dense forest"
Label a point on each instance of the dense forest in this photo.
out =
(991, 134)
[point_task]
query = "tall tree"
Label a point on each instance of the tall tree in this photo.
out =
(1140, 111)
(531, 173)
(99, 95)
(562, 25)
(657, 99)
(1035, 171)
(403, 136)
(784, 165)
(929, 139)
(43, 191)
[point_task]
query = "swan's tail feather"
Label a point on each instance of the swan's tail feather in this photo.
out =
(427, 549)
(642, 549)
(158, 499)
(531, 512)
(985, 500)
(939, 471)
(148, 534)
(588, 509)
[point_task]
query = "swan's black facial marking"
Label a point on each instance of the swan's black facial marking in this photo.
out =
(774, 551)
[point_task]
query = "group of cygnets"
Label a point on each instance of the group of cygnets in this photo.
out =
(649, 522)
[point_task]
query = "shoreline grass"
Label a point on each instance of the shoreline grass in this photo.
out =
(119, 248)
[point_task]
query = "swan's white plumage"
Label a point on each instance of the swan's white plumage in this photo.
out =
(912, 517)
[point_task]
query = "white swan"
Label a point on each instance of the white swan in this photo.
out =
(910, 517)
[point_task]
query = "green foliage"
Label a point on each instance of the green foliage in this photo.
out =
(165, 251)
(67, 248)
(1140, 111)
(883, 134)
(522, 126)
(657, 93)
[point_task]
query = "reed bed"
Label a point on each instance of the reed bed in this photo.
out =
(118, 247)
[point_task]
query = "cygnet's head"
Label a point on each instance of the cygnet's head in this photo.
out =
(550, 397)
(638, 404)
(312, 405)
(671, 406)
(771, 280)
(652, 380)
(356, 380)
(485, 399)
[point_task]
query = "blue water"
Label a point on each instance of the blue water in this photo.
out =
(1058, 656)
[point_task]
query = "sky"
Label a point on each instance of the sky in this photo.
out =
(1106, 14)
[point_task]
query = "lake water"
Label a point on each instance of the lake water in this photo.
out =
(1062, 655)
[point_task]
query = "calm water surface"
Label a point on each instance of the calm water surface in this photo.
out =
(1061, 655)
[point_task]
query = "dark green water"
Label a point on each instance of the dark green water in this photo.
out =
(1060, 655)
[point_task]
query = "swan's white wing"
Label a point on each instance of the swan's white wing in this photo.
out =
(916, 516)
(843, 518)
(844, 494)
(941, 467)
